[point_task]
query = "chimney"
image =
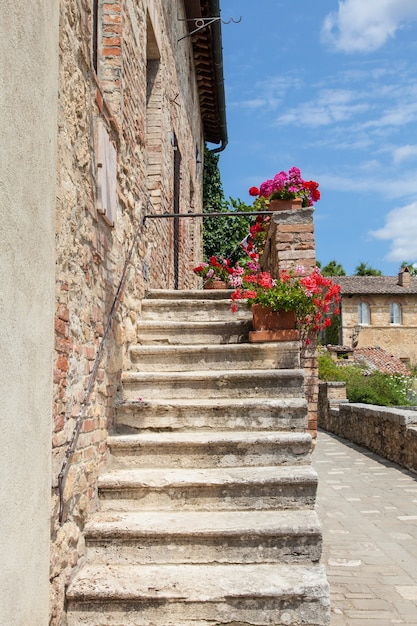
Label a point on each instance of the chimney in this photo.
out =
(404, 278)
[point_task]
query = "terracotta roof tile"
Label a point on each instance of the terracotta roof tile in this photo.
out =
(377, 358)
(374, 285)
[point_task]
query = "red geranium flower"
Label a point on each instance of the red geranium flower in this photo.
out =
(254, 191)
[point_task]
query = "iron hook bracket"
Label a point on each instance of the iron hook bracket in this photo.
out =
(203, 22)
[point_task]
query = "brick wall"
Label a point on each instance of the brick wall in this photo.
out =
(144, 92)
(291, 242)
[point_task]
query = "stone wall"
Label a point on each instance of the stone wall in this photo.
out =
(130, 81)
(389, 432)
(291, 242)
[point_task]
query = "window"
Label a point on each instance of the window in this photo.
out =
(364, 316)
(154, 115)
(106, 156)
(95, 34)
(394, 313)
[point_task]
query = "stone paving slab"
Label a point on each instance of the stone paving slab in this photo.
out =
(368, 509)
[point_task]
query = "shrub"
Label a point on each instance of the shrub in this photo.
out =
(369, 388)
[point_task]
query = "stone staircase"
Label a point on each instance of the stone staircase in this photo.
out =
(207, 502)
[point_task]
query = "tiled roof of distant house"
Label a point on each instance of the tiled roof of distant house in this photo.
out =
(360, 285)
(377, 358)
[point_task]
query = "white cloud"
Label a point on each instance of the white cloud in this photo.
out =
(366, 25)
(403, 153)
(257, 103)
(331, 106)
(400, 115)
(268, 93)
(370, 166)
(388, 185)
(401, 229)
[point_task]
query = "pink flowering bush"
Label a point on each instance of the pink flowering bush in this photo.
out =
(314, 298)
(215, 269)
(288, 186)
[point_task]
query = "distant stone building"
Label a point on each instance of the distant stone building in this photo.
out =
(380, 311)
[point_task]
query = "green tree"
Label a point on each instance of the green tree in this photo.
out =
(221, 235)
(364, 269)
(331, 335)
(411, 267)
(333, 268)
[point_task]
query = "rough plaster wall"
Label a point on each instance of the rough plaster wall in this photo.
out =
(90, 253)
(28, 108)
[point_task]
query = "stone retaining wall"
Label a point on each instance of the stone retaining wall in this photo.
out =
(387, 431)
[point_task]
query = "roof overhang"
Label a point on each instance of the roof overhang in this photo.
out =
(208, 60)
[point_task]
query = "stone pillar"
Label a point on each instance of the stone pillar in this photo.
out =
(290, 242)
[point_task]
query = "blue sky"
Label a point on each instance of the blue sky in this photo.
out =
(330, 87)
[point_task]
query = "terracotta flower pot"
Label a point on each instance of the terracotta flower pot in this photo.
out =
(271, 325)
(265, 318)
(285, 205)
(215, 284)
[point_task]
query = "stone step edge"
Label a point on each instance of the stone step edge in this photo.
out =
(197, 583)
(168, 325)
(128, 525)
(210, 403)
(207, 438)
(185, 294)
(161, 479)
(138, 350)
(255, 374)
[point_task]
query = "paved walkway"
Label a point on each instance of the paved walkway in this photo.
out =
(368, 509)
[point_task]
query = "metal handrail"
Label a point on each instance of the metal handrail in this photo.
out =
(62, 476)
(208, 214)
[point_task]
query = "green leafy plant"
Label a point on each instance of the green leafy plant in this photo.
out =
(221, 235)
(312, 297)
(369, 387)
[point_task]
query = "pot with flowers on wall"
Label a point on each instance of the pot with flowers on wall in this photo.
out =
(286, 191)
(291, 307)
(215, 273)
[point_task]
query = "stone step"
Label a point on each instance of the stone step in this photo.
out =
(209, 489)
(288, 383)
(160, 358)
(191, 310)
(201, 537)
(217, 449)
(184, 333)
(212, 415)
(199, 595)
(188, 294)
